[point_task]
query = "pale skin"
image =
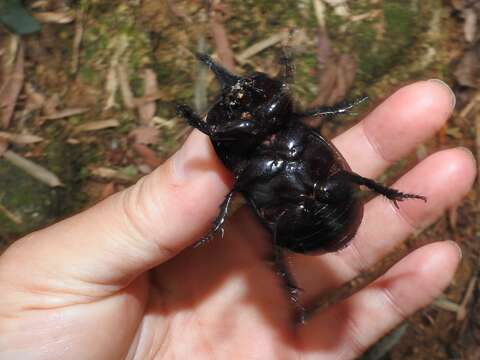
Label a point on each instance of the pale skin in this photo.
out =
(121, 280)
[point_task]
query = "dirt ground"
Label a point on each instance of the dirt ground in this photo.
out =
(87, 107)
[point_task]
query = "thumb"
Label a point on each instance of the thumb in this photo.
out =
(134, 230)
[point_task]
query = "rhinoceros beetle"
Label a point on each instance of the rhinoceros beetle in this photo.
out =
(297, 183)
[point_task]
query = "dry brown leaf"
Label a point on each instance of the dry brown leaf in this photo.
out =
(470, 24)
(35, 99)
(65, 113)
(468, 70)
(146, 135)
(11, 88)
(108, 189)
(113, 174)
(111, 86)
(453, 217)
(97, 125)
(53, 17)
(159, 95)
(147, 111)
(3, 146)
(120, 44)
(33, 169)
(23, 139)
(336, 75)
(127, 95)
(148, 156)
(77, 41)
(222, 44)
(51, 105)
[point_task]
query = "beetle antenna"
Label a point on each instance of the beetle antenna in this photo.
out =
(223, 76)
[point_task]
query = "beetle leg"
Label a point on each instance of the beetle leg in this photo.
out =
(287, 73)
(219, 220)
(288, 281)
(341, 108)
(390, 193)
(193, 119)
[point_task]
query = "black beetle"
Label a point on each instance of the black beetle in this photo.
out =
(297, 182)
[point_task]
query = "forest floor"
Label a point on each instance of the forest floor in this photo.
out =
(87, 107)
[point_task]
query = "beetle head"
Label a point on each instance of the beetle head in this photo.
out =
(256, 97)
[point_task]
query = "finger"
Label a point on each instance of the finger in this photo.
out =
(406, 119)
(350, 327)
(444, 178)
(134, 230)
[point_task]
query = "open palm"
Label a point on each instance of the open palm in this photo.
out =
(121, 280)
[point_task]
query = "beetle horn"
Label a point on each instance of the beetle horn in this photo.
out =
(224, 77)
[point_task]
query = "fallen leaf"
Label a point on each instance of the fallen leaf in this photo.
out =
(33, 169)
(3, 146)
(97, 125)
(147, 111)
(468, 69)
(148, 156)
(470, 24)
(53, 17)
(11, 89)
(128, 174)
(148, 98)
(14, 15)
(220, 37)
(111, 86)
(146, 135)
(453, 217)
(51, 105)
(35, 99)
(120, 44)
(65, 113)
(108, 189)
(127, 95)
(20, 138)
(77, 41)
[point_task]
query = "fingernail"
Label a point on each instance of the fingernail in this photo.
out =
(459, 249)
(449, 89)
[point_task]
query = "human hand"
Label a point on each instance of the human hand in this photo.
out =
(121, 280)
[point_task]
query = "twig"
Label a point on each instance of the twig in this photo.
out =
(446, 304)
(35, 170)
(77, 41)
(15, 218)
(12, 88)
(462, 311)
(469, 107)
(261, 45)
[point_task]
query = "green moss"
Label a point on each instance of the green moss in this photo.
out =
(381, 43)
(35, 203)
